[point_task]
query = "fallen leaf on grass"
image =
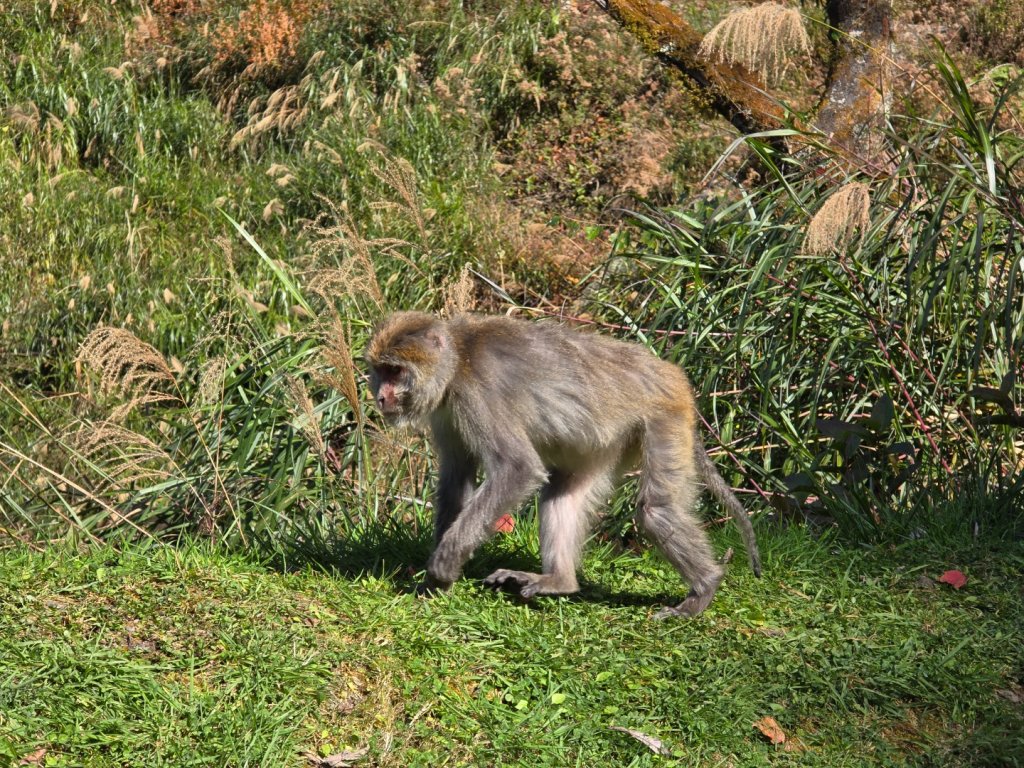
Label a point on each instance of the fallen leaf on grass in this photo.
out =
(34, 758)
(339, 760)
(655, 745)
(955, 579)
(771, 729)
(505, 524)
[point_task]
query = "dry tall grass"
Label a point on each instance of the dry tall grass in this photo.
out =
(125, 457)
(458, 293)
(760, 38)
(306, 419)
(337, 353)
(334, 233)
(211, 380)
(282, 111)
(128, 366)
(845, 213)
(398, 173)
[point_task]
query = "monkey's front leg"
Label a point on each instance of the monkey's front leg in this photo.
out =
(455, 487)
(508, 483)
(564, 514)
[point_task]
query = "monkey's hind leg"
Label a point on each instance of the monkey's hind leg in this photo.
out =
(565, 511)
(669, 494)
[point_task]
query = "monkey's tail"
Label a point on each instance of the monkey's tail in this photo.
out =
(725, 496)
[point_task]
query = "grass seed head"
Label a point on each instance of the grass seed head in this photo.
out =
(124, 457)
(211, 380)
(458, 293)
(337, 354)
(332, 231)
(128, 366)
(760, 38)
(844, 213)
(307, 421)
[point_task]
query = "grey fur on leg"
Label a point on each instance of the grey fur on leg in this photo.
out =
(507, 485)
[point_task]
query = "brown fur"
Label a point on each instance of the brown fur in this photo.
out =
(540, 407)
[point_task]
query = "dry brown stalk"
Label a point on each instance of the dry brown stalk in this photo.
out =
(307, 420)
(759, 38)
(338, 355)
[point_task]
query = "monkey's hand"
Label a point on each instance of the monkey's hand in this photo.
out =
(432, 584)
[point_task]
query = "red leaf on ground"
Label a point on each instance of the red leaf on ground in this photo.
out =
(771, 729)
(505, 524)
(955, 579)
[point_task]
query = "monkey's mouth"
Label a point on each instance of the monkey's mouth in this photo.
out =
(394, 414)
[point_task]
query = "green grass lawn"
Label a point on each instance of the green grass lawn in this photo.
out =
(193, 656)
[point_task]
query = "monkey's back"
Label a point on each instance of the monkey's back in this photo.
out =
(570, 389)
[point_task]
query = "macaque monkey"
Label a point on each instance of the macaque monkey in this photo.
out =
(540, 407)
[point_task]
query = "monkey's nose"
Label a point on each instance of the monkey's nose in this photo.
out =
(380, 402)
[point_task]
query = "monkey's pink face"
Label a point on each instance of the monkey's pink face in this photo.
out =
(390, 385)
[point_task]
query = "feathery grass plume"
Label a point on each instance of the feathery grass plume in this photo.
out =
(832, 227)
(759, 38)
(352, 279)
(211, 380)
(285, 109)
(458, 293)
(397, 173)
(306, 419)
(335, 230)
(124, 457)
(24, 118)
(338, 355)
(126, 365)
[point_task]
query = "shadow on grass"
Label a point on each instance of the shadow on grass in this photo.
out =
(968, 533)
(400, 553)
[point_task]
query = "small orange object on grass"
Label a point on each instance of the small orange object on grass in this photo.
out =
(505, 524)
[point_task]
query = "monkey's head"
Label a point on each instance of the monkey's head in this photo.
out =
(412, 363)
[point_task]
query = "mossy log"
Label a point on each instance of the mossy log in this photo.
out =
(729, 89)
(852, 110)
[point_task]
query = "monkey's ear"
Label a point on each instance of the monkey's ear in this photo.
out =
(436, 338)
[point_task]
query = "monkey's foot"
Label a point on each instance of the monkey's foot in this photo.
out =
(694, 604)
(528, 584)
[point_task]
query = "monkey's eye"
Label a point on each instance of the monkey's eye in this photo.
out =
(390, 372)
